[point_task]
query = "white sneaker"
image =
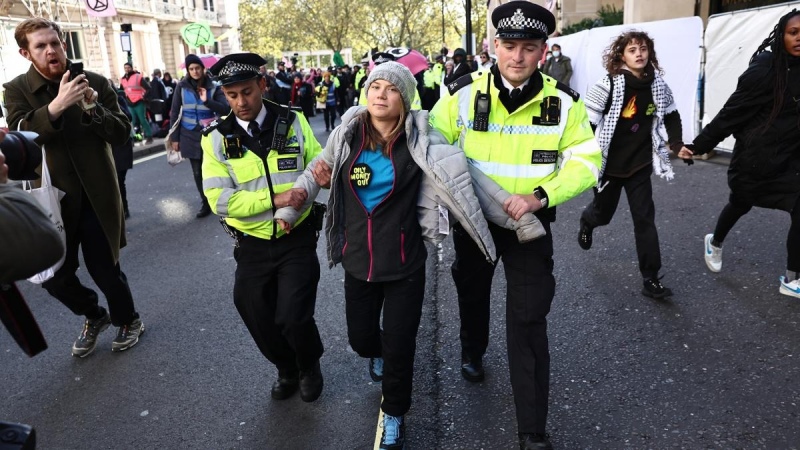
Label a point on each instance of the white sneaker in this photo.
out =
(713, 255)
(791, 289)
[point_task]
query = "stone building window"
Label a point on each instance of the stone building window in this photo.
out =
(74, 45)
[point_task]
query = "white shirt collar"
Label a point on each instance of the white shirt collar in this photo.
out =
(259, 118)
(510, 87)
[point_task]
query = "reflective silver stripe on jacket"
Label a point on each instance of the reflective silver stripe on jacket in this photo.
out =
(232, 185)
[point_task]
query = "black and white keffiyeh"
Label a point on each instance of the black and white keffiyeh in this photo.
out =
(595, 102)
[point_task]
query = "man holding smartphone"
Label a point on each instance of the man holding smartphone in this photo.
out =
(76, 119)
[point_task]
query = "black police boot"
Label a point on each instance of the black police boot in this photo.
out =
(311, 383)
(285, 386)
(472, 369)
(535, 441)
(205, 210)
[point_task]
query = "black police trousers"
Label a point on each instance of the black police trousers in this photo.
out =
(401, 302)
(639, 190)
(275, 292)
(105, 272)
(530, 287)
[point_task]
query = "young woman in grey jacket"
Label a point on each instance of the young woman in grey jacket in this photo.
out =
(391, 190)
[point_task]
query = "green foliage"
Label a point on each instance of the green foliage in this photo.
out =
(269, 27)
(607, 15)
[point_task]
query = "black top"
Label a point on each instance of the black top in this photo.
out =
(631, 147)
(386, 244)
(765, 166)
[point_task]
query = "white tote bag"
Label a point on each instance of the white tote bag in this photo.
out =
(49, 197)
(173, 156)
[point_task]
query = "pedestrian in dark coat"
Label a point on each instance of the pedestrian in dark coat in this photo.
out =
(460, 66)
(762, 114)
(76, 121)
(196, 102)
(169, 85)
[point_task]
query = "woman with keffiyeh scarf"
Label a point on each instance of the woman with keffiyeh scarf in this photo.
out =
(626, 109)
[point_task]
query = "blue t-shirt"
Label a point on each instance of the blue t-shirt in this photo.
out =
(372, 177)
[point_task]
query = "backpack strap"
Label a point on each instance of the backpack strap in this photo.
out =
(610, 94)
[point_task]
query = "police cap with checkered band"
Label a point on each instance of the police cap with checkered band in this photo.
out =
(523, 20)
(237, 67)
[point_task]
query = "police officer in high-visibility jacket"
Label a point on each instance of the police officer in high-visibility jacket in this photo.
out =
(532, 136)
(251, 159)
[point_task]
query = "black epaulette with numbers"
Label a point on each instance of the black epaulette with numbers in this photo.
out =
(283, 110)
(464, 80)
(568, 90)
(210, 127)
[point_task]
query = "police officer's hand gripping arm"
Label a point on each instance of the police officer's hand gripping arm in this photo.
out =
(316, 175)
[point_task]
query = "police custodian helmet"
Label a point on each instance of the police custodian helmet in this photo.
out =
(523, 20)
(237, 67)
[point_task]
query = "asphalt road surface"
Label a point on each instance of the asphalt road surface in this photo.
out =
(715, 366)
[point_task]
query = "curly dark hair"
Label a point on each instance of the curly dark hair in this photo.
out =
(780, 64)
(612, 57)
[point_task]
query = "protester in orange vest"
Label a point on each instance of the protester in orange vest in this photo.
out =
(136, 87)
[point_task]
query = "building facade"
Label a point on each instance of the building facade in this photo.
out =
(155, 38)
(637, 11)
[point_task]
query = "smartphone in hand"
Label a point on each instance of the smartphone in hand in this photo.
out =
(75, 69)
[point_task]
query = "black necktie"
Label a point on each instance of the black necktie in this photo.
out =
(514, 93)
(255, 130)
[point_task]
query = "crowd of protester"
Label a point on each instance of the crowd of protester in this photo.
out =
(206, 108)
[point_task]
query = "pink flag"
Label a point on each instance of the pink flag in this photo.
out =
(100, 8)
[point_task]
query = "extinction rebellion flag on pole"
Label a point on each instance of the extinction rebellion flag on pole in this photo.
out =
(100, 8)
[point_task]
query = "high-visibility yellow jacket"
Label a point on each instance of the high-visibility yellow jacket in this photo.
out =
(237, 188)
(357, 79)
(518, 151)
(428, 79)
(438, 72)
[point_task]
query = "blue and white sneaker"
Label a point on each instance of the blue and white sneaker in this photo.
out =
(376, 369)
(713, 255)
(792, 288)
(394, 432)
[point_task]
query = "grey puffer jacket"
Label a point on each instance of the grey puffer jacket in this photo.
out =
(447, 182)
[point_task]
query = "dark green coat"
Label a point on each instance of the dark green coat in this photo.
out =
(78, 149)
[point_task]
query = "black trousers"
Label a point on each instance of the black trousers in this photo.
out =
(639, 191)
(275, 292)
(732, 212)
(197, 173)
(530, 287)
(123, 191)
(107, 275)
(401, 302)
(330, 116)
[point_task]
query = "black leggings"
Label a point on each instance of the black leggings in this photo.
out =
(197, 173)
(732, 212)
(330, 116)
(123, 191)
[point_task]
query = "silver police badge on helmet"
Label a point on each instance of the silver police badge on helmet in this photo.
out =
(518, 19)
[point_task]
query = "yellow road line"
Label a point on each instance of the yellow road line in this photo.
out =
(378, 428)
